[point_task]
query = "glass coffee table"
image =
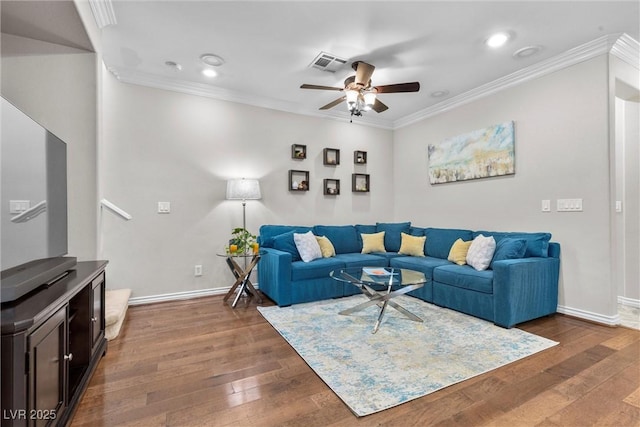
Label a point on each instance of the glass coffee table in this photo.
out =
(381, 285)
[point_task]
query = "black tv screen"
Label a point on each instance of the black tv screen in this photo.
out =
(33, 199)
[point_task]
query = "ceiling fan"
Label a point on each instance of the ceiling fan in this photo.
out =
(359, 93)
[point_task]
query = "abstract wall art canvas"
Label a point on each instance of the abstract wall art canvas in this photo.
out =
(481, 153)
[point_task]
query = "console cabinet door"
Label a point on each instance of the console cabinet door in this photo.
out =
(47, 370)
(97, 310)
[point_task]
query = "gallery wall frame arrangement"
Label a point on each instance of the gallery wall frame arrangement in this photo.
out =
(331, 187)
(331, 157)
(298, 151)
(481, 153)
(298, 180)
(360, 183)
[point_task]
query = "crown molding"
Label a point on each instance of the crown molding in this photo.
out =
(573, 56)
(205, 90)
(622, 46)
(627, 49)
(103, 12)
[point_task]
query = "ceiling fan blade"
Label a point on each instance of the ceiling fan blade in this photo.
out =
(379, 107)
(363, 73)
(306, 86)
(399, 87)
(333, 103)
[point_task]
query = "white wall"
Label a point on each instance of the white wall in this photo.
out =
(56, 86)
(165, 146)
(562, 151)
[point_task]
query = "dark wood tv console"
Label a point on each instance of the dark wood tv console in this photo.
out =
(52, 341)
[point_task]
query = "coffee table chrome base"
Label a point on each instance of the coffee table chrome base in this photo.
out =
(383, 299)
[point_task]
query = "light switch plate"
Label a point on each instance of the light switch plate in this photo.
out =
(18, 206)
(569, 205)
(546, 206)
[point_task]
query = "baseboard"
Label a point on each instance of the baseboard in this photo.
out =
(592, 317)
(629, 302)
(177, 296)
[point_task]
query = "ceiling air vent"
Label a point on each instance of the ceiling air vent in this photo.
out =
(327, 62)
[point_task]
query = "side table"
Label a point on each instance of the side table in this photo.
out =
(242, 277)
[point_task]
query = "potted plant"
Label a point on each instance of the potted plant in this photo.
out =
(242, 241)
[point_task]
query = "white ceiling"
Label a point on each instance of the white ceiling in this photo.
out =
(268, 45)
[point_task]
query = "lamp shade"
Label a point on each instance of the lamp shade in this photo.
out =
(243, 189)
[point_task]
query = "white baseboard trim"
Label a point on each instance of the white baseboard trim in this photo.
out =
(587, 315)
(176, 296)
(635, 303)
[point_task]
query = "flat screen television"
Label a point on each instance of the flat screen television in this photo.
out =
(33, 193)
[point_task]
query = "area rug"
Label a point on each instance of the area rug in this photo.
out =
(404, 360)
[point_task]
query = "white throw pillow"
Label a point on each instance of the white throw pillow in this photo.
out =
(307, 246)
(481, 252)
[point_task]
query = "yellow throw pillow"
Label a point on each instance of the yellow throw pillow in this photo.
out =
(458, 252)
(412, 245)
(373, 242)
(326, 247)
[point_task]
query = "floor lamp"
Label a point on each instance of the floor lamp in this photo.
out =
(243, 189)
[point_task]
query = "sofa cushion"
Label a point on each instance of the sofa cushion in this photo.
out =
(307, 246)
(440, 240)
(315, 269)
(284, 242)
(392, 239)
(326, 247)
(465, 276)
(416, 231)
(537, 243)
(458, 252)
(481, 252)
(373, 242)
(422, 264)
(509, 248)
(411, 245)
(362, 260)
(268, 232)
(343, 237)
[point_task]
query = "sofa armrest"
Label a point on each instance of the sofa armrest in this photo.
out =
(525, 289)
(274, 275)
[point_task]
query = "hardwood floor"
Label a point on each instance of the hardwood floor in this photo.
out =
(199, 362)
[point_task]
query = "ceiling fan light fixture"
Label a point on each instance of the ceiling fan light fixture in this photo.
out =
(369, 100)
(352, 99)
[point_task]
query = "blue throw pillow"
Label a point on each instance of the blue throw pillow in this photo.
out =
(392, 236)
(268, 232)
(509, 248)
(537, 243)
(285, 243)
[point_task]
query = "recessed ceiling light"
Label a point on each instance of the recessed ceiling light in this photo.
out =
(173, 65)
(439, 93)
(211, 59)
(209, 72)
(527, 51)
(498, 39)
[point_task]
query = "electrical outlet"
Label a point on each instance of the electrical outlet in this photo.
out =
(164, 207)
(18, 206)
(197, 270)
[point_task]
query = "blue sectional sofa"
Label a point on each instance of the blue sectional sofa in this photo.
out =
(509, 292)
